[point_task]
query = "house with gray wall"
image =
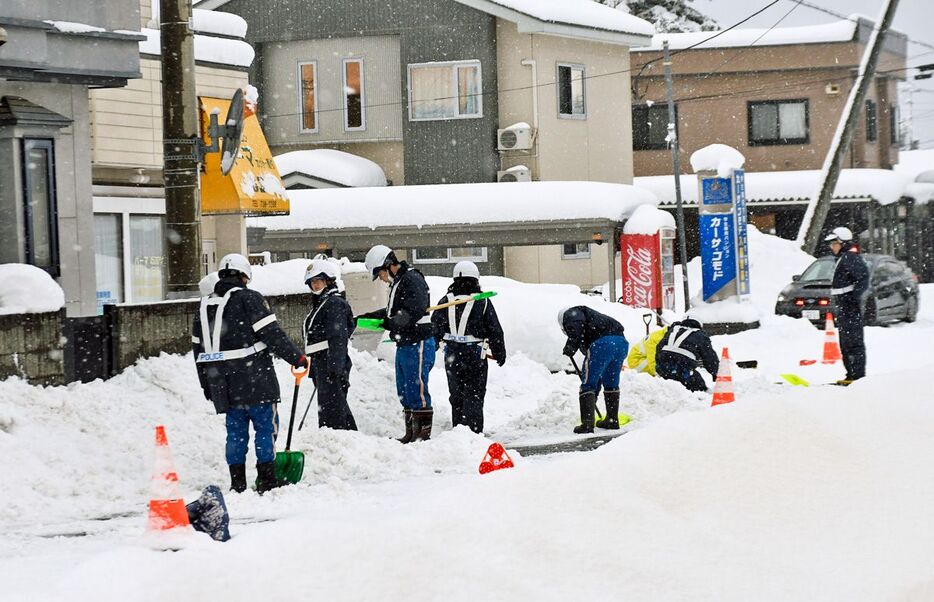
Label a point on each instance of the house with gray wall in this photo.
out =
(455, 91)
(54, 52)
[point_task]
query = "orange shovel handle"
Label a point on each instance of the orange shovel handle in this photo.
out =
(299, 374)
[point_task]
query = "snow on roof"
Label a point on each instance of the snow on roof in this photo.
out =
(719, 158)
(27, 289)
(647, 219)
(208, 49)
(225, 24)
(883, 185)
(332, 165)
(913, 163)
(447, 204)
(838, 31)
(576, 13)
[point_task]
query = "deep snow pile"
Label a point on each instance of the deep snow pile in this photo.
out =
(27, 289)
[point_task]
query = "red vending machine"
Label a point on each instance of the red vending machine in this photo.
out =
(648, 269)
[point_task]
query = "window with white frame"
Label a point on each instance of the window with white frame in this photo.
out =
(579, 250)
(571, 103)
(354, 105)
(308, 96)
(108, 258)
(448, 254)
(445, 91)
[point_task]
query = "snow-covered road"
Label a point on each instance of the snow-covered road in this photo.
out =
(791, 493)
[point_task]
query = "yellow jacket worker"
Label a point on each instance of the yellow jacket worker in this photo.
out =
(642, 355)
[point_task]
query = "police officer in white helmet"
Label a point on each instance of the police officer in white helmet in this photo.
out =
(471, 334)
(234, 337)
(327, 331)
(406, 319)
(850, 281)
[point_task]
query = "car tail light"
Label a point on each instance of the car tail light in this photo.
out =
(824, 302)
(799, 302)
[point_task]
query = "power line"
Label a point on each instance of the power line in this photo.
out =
(832, 13)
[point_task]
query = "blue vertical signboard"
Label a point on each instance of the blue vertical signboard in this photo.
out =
(742, 240)
(718, 251)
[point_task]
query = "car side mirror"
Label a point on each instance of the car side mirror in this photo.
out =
(796, 278)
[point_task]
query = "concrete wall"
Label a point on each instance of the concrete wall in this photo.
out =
(31, 347)
(713, 108)
(595, 148)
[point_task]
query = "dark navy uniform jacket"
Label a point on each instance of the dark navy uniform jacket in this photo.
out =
(584, 325)
(482, 325)
(327, 329)
(850, 275)
(239, 371)
(406, 314)
(683, 346)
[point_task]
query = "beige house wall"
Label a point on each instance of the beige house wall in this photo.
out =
(598, 147)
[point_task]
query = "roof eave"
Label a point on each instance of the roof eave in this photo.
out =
(529, 24)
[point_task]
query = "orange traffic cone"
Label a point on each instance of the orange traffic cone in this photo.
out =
(831, 342)
(723, 388)
(496, 458)
(166, 507)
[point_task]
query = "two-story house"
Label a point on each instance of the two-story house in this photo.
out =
(423, 88)
(54, 52)
(126, 154)
(777, 96)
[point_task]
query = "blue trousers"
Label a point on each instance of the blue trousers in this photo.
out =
(265, 421)
(413, 363)
(603, 362)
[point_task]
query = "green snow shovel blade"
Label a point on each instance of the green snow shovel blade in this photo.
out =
(795, 380)
(291, 464)
(370, 323)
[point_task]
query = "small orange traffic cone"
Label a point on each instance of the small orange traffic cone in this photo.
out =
(496, 458)
(832, 353)
(166, 507)
(723, 388)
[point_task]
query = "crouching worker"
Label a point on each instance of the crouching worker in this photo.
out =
(234, 338)
(679, 351)
(327, 329)
(406, 319)
(471, 333)
(642, 354)
(600, 338)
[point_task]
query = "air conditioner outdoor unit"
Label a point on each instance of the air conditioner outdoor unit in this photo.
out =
(514, 138)
(514, 174)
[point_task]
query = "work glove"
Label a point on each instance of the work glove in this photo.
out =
(500, 361)
(569, 349)
(301, 364)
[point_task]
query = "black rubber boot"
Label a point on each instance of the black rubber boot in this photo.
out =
(421, 424)
(238, 477)
(409, 427)
(588, 403)
(611, 422)
(266, 477)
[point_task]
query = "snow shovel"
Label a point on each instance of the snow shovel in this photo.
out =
(308, 407)
(647, 318)
(477, 297)
(578, 370)
(370, 323)
(291, 464)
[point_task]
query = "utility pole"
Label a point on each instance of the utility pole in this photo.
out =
(676, 166)
(180, 134)
(817, 209)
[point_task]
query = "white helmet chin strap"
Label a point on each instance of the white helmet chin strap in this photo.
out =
(318, 292)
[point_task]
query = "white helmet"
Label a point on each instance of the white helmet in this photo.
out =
(841, 234)
(206, 286)
(466, 269)
(235, 262)
(322, 268)
(378, 258)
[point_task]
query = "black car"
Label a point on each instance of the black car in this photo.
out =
(892, 293)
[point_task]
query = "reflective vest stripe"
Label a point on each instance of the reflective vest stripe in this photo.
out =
(316, 347)
(233, 354)
(259, 324)
(676, 338)
(843, 291)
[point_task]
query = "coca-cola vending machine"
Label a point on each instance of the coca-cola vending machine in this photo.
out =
(648, 267)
